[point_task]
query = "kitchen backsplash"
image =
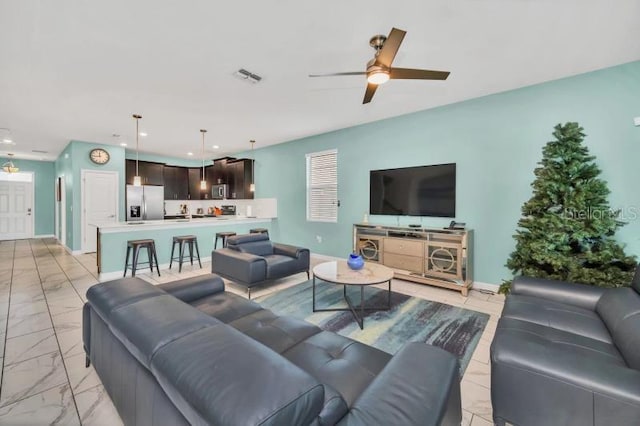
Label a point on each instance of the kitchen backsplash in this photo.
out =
(260, 207)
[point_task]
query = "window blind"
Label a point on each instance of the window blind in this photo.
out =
(322, 186)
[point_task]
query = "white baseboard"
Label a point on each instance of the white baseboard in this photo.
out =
(478, 285)
(44, 236)
(325, 257)
(72, 252)
(108, 276)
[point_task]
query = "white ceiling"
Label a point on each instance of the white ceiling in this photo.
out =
(77, 69)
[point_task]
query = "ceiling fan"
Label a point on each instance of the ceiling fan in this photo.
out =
(379, 69)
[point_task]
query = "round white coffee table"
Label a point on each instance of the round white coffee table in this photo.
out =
(338, 272)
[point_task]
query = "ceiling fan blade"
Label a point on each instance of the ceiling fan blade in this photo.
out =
(390, 47)
(338, 74)
(415, 74)
(368, 94)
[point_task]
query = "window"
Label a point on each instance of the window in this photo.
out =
(322, 186)
(16, 177)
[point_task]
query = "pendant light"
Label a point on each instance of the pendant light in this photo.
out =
(137, 181)
(252, 187)
(203, 182)
(9, 167)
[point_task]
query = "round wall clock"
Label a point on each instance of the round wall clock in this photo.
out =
(99, 156)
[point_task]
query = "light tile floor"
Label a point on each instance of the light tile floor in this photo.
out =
(43, 378)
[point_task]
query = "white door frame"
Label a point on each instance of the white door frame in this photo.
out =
(56, 211)
(83, 211)
(61, 210)
(33, 203)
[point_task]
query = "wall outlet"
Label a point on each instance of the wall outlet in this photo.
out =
(636, 121)
(319, 238)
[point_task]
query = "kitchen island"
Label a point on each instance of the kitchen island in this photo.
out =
(113, 237)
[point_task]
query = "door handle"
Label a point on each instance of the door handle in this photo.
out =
(29, 212)
(113, 215)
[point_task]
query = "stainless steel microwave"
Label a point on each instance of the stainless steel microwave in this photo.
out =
(219, 192)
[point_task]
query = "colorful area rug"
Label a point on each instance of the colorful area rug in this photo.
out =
(410, 319)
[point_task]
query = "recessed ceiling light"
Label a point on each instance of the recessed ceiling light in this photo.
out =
(7, 141)
(189, 153)
(123, 144)
(216, 147)
(143, 134)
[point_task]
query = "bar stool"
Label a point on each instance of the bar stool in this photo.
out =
(182, 240)
(136, 245)
(259, 231)
(223, 236)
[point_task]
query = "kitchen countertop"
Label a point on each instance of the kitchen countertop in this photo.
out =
(113, 227)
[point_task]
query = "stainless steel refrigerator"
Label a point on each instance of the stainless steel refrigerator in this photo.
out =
(145, 202)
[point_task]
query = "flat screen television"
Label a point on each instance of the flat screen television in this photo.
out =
(414, 191)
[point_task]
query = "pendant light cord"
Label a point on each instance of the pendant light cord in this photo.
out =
(203, 131)
(137, 117)
(253, 160)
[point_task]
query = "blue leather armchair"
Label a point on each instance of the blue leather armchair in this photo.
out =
(252, 260)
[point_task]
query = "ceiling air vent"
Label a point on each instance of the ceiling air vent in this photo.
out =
(243, 74)
(39, 151)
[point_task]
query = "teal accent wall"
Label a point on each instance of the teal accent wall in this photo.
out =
(71, 168)
(44, 195)
(496, 142)
(170, 161)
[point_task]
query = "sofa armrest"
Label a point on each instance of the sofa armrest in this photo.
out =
(194, 288)
(520, 356)
(245, 268)
(584, 296)
(419, 386)
(288, 250)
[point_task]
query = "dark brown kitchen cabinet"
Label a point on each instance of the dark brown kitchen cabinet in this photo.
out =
(150, 173)
(209, 175)
(240, 177)
(195, 176)
(218, 173)
(176, 183)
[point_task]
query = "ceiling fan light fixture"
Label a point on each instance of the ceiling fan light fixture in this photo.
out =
(378, 77)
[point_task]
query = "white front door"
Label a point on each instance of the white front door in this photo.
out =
(99, 204)
(16, 206)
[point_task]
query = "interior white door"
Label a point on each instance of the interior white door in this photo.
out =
(16, 210)
(99, 204)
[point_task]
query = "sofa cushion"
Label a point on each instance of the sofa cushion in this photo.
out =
(620, 311)
(226, 307)
(279, 266)
(194, 288)
(257, 244)
(108, 296)
(213, 373)
(587, 347)
(146, 325)
(344, 364)
(556, 315)
(143, 317)
(419, 386)
(276, 332)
